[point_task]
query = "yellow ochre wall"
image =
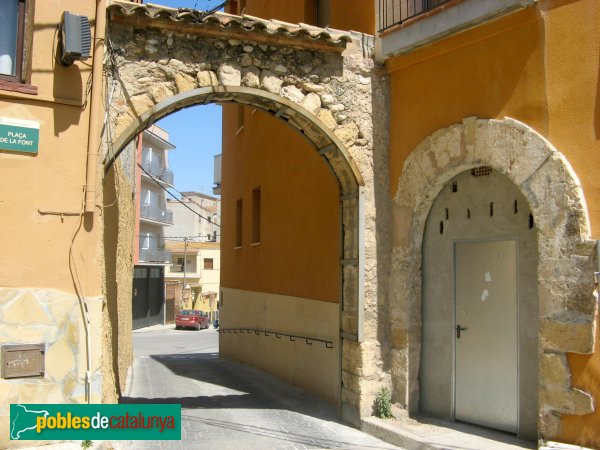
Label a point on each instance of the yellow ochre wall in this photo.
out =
(356, 15)
(299, 211)
(540, 66)
(40, 289)
(301, 233)
(35, 248)
(288, 11)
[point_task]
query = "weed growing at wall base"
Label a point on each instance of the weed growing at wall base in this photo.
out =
(383, 404)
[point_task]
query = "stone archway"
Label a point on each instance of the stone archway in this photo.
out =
(567, 304)
(321, 82)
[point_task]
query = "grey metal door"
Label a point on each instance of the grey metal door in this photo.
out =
(486, 333)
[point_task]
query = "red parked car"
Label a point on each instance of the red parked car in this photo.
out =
(191, 318)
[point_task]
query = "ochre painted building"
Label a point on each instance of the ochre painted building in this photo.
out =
(52, 288)
(467, 151)
(273, 181)
(537, 65)
(467, 81)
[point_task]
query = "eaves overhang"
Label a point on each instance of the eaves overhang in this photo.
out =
(228, 26)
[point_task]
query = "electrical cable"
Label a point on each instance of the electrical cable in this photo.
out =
(174, 196)
(191, 199)
(82, 303)
(213, 10)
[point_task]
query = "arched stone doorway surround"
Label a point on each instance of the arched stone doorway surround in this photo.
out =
(567, 305)
(321, 82)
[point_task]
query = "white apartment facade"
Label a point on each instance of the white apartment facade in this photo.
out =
(196, 217)
(155, 175)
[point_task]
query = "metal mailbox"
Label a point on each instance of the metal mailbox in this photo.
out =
(23, 360)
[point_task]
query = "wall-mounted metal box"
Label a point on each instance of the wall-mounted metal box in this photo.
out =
(23, 360)
(75, 38)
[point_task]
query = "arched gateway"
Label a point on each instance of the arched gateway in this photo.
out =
(457, 191)
(319, 81)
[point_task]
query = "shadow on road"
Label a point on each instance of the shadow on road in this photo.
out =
(225, 403)
(282, 435)
(231, 385)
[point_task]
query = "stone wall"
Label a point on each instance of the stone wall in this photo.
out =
(567, 304)
(119, 237)
(35, 316)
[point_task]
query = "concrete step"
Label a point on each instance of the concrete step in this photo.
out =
(428, 434)
(559, 446)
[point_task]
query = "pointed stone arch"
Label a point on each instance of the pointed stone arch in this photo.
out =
(567, 305)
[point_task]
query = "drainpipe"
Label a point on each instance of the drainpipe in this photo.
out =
(92, 161)
(93, 150)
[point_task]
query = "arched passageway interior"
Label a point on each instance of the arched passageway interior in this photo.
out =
(321, 82)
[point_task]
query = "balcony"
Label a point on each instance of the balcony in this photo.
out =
(156, 213)
(394, 12)
(406, 25)
(162, 173)
(154, 254)
(176, 268)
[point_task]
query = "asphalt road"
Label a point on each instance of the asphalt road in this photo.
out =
(226, 405)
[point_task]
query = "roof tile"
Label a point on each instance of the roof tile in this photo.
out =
(225, 20)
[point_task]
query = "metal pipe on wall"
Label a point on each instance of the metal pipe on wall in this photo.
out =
(93, 150)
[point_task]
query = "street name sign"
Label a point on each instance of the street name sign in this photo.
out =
(19, 135)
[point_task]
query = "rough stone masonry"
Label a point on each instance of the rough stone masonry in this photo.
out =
(327, 86)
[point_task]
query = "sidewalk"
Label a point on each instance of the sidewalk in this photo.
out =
(157, 327)
(160, 327)
(432, 434)
(436, 435)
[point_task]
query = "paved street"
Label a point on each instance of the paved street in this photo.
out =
(228, 405)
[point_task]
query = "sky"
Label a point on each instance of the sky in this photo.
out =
(196, 134)
(195, 131)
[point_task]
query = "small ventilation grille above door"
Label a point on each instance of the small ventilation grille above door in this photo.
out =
(481, 171)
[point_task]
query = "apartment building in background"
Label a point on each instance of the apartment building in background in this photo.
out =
(154, 215)
(150, 306)
(196, 216)
(195, 271)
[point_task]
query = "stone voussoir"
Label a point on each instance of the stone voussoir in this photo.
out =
(329, 84)
(556, 200)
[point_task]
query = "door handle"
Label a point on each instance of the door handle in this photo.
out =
(458, 330)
